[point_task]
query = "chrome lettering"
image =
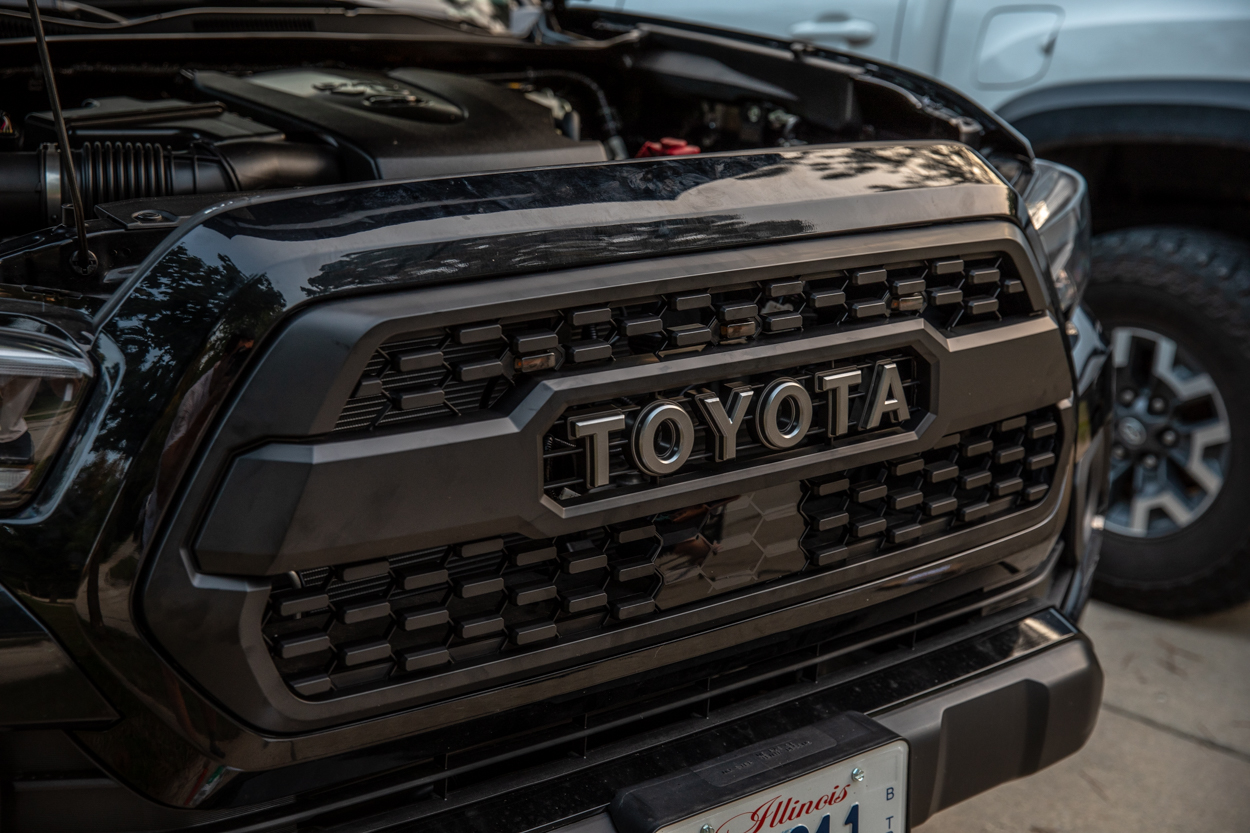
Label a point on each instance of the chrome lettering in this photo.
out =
(663, 434)
(836, 384)
(885, 397)
(593, 431)
(723, 422)
(768, 413)
(647, 430)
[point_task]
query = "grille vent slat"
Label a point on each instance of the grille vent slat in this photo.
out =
(497, 596)
(949, 293)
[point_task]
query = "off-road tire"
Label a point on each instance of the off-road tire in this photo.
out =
(1192, 286)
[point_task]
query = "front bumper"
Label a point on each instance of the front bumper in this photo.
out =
(1008, 722)
(978, 705)
(980, 699)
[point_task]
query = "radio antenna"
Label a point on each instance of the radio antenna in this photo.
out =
(83, 261)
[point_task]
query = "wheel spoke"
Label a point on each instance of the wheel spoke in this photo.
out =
(1196, 465)
(1167, 501)
(1121, 345)
(1164, 369)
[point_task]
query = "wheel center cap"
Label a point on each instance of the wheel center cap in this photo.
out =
(1131, 431)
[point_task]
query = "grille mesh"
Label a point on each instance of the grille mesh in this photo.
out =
(470, 368)
(337, 630)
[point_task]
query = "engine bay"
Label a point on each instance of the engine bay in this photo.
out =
(304, 127)
(153, 141)
(294, 128)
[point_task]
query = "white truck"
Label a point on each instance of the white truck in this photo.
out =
(1150, 101)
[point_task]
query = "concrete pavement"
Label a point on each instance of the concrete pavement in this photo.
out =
(1172, 748)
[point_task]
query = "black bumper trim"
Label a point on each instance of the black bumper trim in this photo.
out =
(39, 684)
(1007, 724)
(1003, 701)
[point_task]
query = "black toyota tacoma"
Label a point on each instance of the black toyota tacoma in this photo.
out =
(486, 420)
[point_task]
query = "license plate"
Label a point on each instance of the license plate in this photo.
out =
(866, 793)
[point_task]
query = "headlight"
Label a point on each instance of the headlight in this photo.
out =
(42, 382)
(1058, 203)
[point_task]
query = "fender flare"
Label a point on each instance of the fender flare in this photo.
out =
(1163, 111)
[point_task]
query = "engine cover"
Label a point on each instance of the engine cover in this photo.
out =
(408, 123)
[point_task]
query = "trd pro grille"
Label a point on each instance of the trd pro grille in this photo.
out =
(457, 370)
(334, 630)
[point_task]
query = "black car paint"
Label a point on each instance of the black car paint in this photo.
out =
(34, 664)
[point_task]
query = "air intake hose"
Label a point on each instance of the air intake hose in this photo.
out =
(30, 182)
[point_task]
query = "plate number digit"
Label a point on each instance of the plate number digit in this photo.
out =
(852, 818)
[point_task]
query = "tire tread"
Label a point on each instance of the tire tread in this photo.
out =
(1211, 272)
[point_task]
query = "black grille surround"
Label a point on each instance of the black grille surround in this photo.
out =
(337, 630)
(453, 371)
(284, 498)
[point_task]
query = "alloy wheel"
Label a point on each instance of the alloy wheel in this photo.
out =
(1172, 442)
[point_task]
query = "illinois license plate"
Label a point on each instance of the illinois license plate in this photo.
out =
(866, 793)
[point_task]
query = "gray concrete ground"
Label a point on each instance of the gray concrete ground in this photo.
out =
(1172, 748)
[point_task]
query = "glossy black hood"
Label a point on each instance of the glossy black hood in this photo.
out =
(315, 243)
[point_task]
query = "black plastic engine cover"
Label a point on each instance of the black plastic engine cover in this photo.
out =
(170, 122)
(409, 123)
